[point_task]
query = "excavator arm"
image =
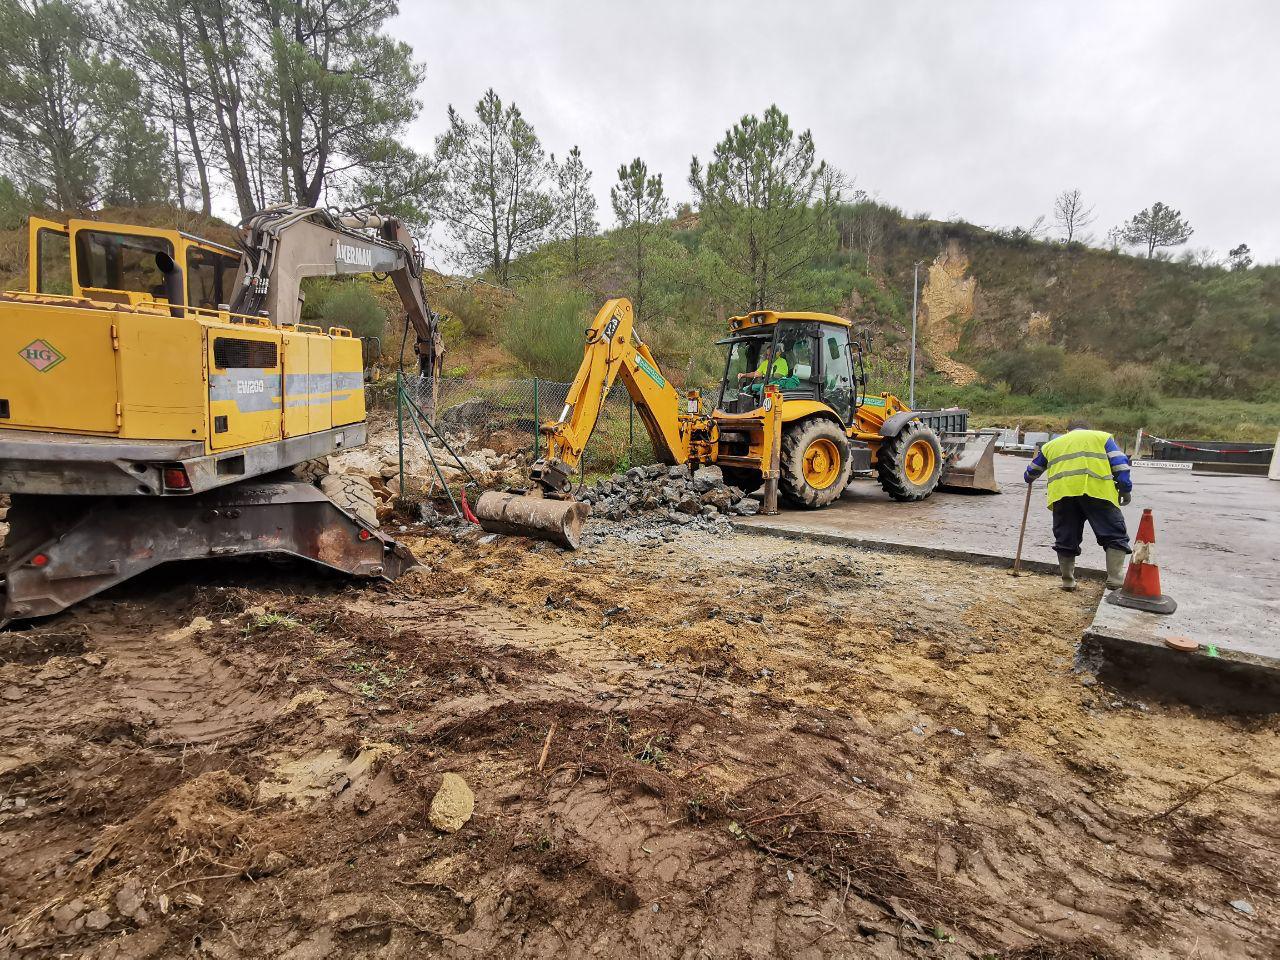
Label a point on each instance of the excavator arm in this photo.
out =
(613, 349)
(283, 245)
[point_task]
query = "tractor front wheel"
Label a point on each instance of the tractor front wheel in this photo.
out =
(910, 465)
(815, 463)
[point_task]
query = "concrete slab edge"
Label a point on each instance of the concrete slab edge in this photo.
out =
(1112, 641)
(892, 546)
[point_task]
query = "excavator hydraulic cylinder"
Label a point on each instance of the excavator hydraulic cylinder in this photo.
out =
(520, 515)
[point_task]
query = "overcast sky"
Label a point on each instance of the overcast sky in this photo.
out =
(983, 111)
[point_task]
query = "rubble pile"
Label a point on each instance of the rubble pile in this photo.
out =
(378, 462)
(678, 494)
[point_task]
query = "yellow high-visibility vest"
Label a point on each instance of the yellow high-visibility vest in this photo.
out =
(780, 367)
(1079, 466)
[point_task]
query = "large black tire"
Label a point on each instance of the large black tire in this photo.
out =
(826, 446)
(748, 481)
(909, 474)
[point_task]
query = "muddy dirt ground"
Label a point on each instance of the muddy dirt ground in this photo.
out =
(722, 747)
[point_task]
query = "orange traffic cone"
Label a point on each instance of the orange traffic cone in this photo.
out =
(1141, 589)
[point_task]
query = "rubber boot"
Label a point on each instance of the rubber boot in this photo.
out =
(1115, 568)
(1067, 567)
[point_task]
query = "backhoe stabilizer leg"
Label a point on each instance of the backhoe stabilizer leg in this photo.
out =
(65, 549)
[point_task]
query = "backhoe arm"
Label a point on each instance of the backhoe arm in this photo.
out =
(613, 349)
(285, 244)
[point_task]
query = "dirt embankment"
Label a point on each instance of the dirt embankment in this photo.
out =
(717, 747)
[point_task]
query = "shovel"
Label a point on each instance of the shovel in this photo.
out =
(1022, 533)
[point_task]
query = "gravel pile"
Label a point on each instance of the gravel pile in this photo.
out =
(655, 503)
(678, 493)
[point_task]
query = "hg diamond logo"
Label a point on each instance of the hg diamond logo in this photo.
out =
(41, 355)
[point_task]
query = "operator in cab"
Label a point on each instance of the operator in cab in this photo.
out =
(777, 370)
(1088, 481)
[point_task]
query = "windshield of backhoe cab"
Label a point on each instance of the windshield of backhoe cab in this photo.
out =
(786, 362)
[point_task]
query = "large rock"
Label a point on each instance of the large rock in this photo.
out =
(710, 474)
(452, 805)
(470, 413)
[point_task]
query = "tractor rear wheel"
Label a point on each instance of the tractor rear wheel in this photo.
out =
(910, 465)
(815, 463)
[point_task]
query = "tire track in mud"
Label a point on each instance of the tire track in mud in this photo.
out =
(762, 801)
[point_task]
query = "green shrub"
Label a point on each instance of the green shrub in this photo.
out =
(353, 305)
(1027, 370)
(544, 329)
(1084, 377)
(1177, 378)
(1134, 386)
(473, 317)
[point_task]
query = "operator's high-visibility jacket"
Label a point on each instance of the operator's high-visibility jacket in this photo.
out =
(780, 367)
(1082, 463)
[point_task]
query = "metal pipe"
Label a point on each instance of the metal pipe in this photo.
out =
(432, 457)
(915, 300)
(400, 428)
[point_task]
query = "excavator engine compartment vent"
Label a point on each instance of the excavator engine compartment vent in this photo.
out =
(4, 409)
(233, 352)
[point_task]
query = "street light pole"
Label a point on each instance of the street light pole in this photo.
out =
(915, 301)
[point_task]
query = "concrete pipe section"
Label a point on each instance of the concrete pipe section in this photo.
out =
(520, 515)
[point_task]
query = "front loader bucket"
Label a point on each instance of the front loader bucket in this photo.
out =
(519, 515)
(64, 549)
(972, 465)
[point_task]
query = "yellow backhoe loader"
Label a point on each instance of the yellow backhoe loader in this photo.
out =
(792, 415)
(156, 389)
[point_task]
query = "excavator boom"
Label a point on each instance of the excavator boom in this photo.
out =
(283, 245)
(613, 351)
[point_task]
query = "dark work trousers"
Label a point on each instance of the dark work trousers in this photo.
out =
(1105, 518)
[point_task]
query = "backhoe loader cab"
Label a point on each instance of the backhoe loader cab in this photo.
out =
(808, 356)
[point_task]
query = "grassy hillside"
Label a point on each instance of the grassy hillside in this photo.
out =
(1018, 330)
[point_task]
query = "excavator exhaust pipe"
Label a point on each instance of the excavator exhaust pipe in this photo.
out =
(521, 515)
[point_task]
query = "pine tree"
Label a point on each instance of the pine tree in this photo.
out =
(766, 201)
(640, 204)
(576, 205)
(1157, 226)
(493, 191)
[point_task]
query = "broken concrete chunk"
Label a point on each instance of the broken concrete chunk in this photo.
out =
(98, 920)
(452, 805)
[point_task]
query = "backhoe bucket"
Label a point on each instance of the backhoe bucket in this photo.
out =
(972, 465)
(520, 515)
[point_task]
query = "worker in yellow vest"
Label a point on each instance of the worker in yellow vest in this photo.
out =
(1088, 480)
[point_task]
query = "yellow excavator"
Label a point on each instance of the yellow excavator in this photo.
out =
(792, 415)
(157, 388)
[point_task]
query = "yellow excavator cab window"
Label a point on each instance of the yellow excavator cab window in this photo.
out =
(210, 276)
(53, 262)
(121, 261)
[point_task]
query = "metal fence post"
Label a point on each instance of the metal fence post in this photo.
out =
(400, 429)
(536, 419)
